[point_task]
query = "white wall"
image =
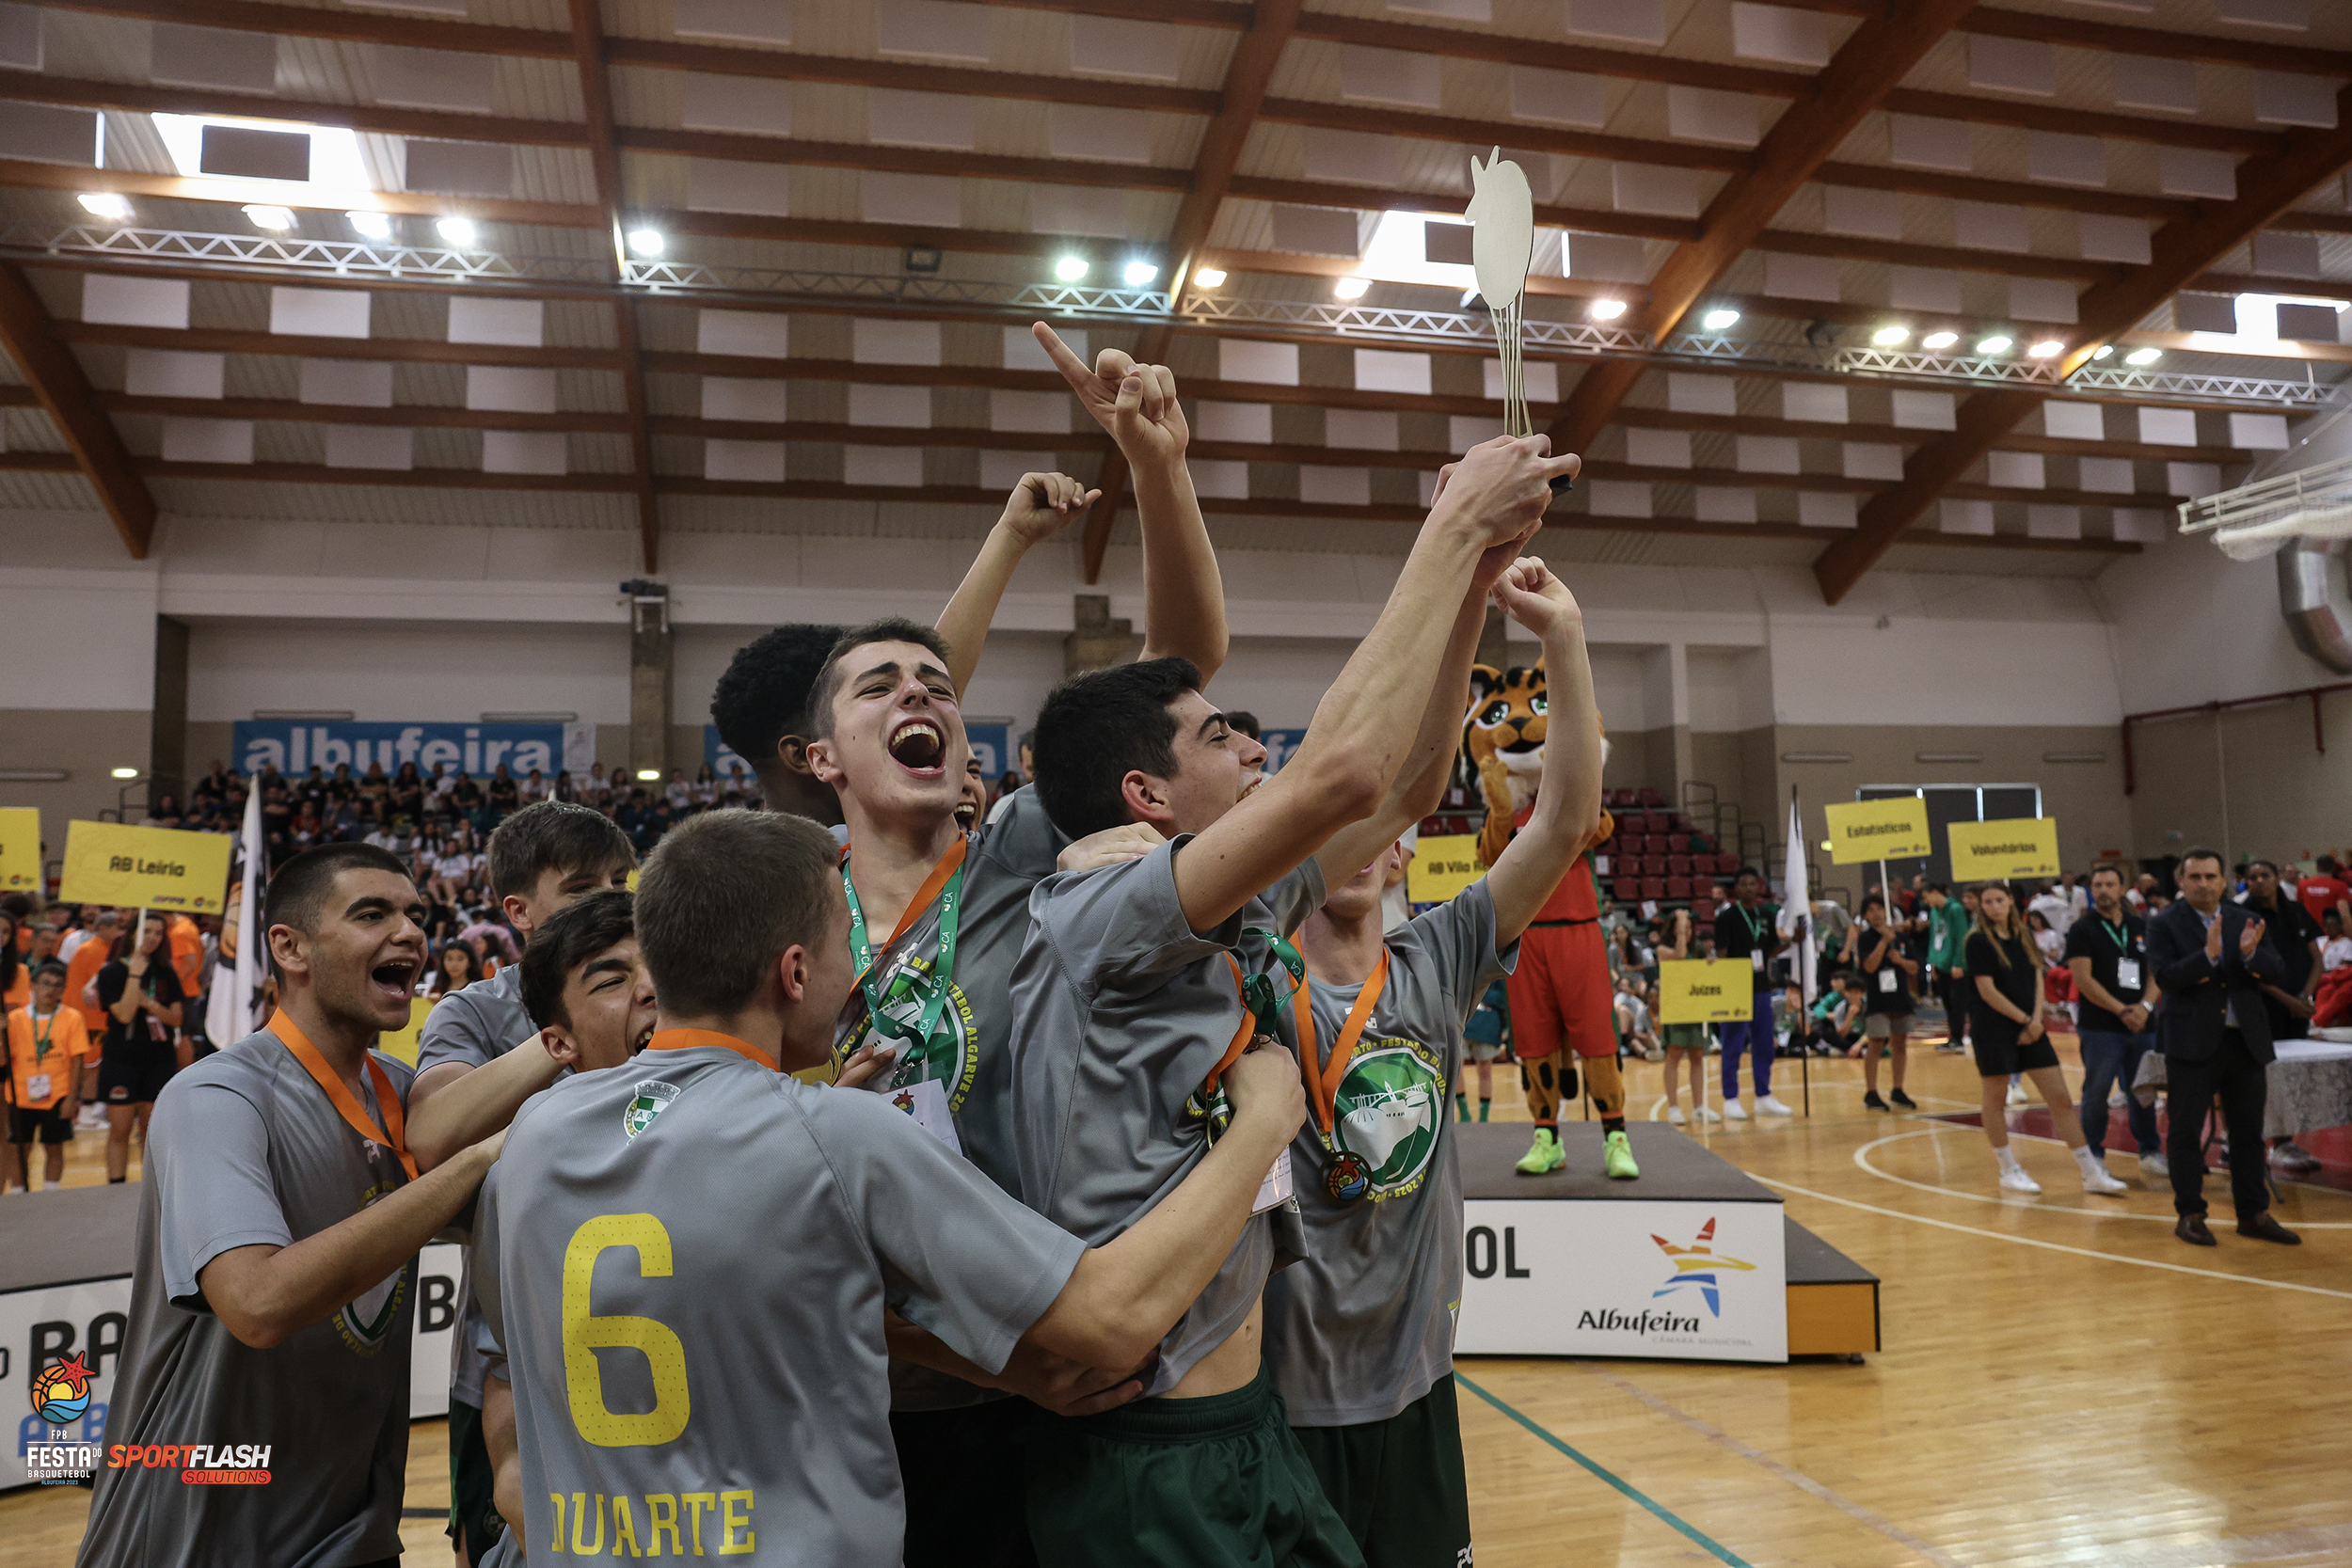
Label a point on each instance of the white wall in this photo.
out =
(433, 672)
(2239, 647)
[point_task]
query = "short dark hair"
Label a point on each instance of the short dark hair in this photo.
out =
(725, 892)
(2114, 871)
(1242, 720)
(1873, 896)
(571, 937)
(51, 966)
(299, 887)
(1096, 728)
(562, 836)
(2199, 852)
(2271, 866)
(2329, 865)
(1845, 980)
(1751, 871)
(763, 696)
(890, 629)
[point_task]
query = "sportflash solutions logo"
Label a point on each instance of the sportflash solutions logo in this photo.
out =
(198, 1463)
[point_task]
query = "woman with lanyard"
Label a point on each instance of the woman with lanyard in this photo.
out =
(140, 991)
(2007, 1032)
(1886, 974)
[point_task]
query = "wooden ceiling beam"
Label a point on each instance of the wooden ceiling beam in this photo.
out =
(225, 340)
(1874, 57)
(55, 377)
(1463, 43)
(24, 175)
(142, 99)
(1373, 198)
(2266, 188)
(2019, 114)
(405, 415)
(2003, 193)
(972, 80)
(1482, 134)
(1901, 253)
(2157, 43)
(299, 21)
(744, 147)
(405, 479)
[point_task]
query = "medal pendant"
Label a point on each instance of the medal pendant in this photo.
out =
(1346, 1178)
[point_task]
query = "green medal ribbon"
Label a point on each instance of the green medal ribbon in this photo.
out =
(40, 1039)
(1257, 994)
(916, 1055)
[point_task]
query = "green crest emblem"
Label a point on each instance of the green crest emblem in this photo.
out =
(646, 1101)
(1389, 1111)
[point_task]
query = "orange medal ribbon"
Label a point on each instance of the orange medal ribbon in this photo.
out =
(687, 1039)
(1323, 1089)
(290, 1034)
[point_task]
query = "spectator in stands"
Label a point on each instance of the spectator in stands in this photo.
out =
(1633, 1030)
(1837, 1017)
(141, 993)
(2288, 999)
(2106, 951)
(1685, 1043)
(679, 792)
(1887, 973)
(2337, 950)
(1747, 930)
(2010, 1033)
(534, 788)
(164, 812)
(213, 788)
(2325, 890)
(1948, 939)
(505, 797)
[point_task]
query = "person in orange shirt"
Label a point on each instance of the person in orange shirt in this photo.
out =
(187, 953)
(47, 1045)
(16, 980)
(80, 980)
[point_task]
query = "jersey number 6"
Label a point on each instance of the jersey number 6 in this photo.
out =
(584, 1333)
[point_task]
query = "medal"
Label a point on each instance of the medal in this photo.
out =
(1346, 1178)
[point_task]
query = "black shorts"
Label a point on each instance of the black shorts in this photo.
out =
(962, 1470)
(134, 1079)
(1998, 1056)
(474, 1521)
(1398, 1484)
(48, 1124)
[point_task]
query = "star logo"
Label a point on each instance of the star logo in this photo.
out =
(1699, 1265)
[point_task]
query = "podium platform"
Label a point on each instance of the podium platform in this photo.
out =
(1694, 1260)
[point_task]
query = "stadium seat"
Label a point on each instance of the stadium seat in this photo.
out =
(1654, 822)
(1653, 865)
(1649, 797)
(1626, 890)
(1677, 887)
(1701, 905)
(1678, 843)
(1653, 888)
(1727, 865)
(1678, 866)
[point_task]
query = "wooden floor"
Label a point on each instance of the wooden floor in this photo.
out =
(2063, 1382)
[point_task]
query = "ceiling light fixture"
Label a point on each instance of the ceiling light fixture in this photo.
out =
(275, 219)
(1994, 344)
(1070, 268)
(1718, 321)
(2103, 351)
(1939, 340)
(124, 772)
(1607, 310)
(1208, 278)
(2049, 348)
(646, 242)
(106, 204)
(2143, 357)
(648, 775)
(1139, 275)
(1351, 288)
(370, 225)
(455, 230)
(1887, 337)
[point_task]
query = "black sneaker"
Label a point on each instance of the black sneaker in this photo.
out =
(1870, 1102)
(1903, 1102)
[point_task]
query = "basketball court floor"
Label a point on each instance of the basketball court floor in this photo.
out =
(2062, 1383)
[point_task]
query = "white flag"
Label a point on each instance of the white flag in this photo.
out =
(1796, 909)
(237, 990)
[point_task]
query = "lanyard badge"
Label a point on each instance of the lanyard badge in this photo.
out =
(946, 882)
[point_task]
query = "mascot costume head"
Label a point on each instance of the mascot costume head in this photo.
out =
(1502, 751)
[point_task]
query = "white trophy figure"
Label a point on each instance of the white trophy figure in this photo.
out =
(1502, 246)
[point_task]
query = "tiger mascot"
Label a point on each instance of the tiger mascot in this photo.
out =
(1561, 989)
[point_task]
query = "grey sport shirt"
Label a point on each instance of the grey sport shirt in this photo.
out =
(475, 1025)
(1121, 1012)
(685, 1262)
(1363, 1325)
(245, 1149)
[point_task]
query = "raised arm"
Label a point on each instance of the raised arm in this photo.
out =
(1040, 507)
(1567, 801)
(470, 1106)
(1364, 728)
(1183, 595)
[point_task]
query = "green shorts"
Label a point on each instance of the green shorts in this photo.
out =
(960, 1470)
(1684, 1037)
(1398, 1484)
(474, 1524)
(1216, 1483)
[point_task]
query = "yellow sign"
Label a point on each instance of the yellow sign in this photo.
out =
(1892, 830)
(402, 1042)
(145, 868)
(1705, 990)
(20, 850)
(2021, 846)
(1442, 868)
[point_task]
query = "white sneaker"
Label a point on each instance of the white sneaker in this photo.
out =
(2016, 1095)
(2016, 1181)
(2156, 1165)
(2293, 1157)
(1707, 1113)
(2099, 1179)
(2115, 1099)
(1769, 1105)
(1674, 1116)
(1734, 1111)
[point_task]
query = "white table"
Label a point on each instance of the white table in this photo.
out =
(2311, 1086)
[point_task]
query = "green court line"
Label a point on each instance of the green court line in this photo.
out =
(1714, 1548)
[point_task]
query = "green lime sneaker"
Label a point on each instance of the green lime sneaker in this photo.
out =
(1546, 1155)
(1616, 1157)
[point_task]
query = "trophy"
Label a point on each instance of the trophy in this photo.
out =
(1502, 246)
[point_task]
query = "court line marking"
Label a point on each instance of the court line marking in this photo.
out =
(1860, 1158)
(1794, 1477)
(1714, 1548)
(2053, 1246)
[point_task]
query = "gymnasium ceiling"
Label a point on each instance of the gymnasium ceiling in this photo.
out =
(1948, 285)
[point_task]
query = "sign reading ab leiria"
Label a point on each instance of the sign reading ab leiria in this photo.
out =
(295, 747)
(145, 868)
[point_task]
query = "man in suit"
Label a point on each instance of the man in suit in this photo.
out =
(2211, 959)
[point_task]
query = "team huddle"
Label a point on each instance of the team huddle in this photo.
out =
(1073, 1187)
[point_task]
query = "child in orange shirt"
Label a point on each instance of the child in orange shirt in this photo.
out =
(47, 1045)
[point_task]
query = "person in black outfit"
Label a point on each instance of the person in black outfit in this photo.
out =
(2211, 959)
(1887, 973)
(140, 991)
(2107, 952)
(2008, 1035)
(2291, 1001)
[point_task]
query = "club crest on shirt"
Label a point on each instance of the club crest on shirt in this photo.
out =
(953, 1059)
(648, 1099)
(1390, 1111)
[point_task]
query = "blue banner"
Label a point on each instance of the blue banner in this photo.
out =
(1280, 745)
(991, 742)
(294, 746)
